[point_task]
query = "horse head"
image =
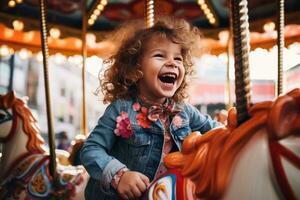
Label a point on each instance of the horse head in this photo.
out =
(24, 172)
(19, 133)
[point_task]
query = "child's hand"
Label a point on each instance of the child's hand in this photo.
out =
(132, 185)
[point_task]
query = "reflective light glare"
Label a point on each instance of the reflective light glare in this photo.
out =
(18, 25)
(4, 51)
(94, 17)
(206, 11)
(24, 54)
(91, 39)
(91, 21)
(203, 6)
(93, 65)
(11, 3)
(59, 58)
(39, 56)
(269, 26)
(54, 33)
(104, 2)
(97, 12)
(201, 1)
(100, 7)
(212, 20)
(209, 15)
(223, 37)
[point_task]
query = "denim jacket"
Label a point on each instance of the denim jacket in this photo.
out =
(104, 153)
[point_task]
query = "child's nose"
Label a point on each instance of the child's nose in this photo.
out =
(171, 63)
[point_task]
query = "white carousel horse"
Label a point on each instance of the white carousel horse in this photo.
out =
(260, 159)
(24, 169)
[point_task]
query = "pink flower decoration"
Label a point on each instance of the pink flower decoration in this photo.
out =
(123, 127)
(144, 110)
(177, 121)
(136, 107)
(142, 119)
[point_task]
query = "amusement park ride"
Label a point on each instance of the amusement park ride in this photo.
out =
(256, 156)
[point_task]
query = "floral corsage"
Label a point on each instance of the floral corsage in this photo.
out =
(123, 127)
(141, 117)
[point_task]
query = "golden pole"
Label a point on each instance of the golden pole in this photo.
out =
(149, 13)
(280, 44)
(43, 21)
(84, 130)
(228, 87)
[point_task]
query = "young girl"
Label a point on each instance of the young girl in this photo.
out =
(147, 117)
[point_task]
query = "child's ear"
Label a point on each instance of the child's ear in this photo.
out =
(140, 74)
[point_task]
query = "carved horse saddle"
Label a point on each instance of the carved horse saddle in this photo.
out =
(31, 177)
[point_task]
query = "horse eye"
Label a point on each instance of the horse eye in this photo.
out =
(2, 116)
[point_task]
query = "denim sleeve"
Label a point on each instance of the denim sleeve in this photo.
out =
(99, 164)
(200, 122)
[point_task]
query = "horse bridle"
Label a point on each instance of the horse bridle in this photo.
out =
(7, 117)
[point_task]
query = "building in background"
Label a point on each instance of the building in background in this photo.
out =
(292, 78)
(208, 89)
(65, 90)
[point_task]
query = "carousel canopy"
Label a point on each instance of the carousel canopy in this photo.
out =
(211, 16)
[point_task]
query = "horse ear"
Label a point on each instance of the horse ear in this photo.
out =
(282, 116)
(9, 98)
(11, 95)
(231, 120)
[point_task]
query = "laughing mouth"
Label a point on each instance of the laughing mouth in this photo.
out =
(168, 78)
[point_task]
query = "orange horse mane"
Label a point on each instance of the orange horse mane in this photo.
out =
(208, 159)
(30, 128)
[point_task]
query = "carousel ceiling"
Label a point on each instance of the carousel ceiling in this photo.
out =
(66, 15)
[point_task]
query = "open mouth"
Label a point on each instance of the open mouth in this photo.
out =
(168, 78)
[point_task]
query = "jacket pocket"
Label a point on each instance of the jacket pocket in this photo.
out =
(137, 147)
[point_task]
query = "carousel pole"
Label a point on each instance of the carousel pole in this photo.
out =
(229, 103)
(239, 12)
(11, 74)
(280, 44)
(43, 24)
(149, 13)
(228, 87)
(84, 130)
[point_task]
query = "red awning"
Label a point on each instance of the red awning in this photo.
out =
(213, 93)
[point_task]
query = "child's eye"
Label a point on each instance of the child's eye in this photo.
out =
(179, 58)
(158, 55)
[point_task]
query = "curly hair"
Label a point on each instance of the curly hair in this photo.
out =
(120, 79)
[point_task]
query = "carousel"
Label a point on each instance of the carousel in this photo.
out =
(255, 156)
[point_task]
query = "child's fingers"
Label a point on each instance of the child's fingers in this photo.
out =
(136, 192)
(129, 195)
(124, 196)
(142, 186)
(145, 179)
